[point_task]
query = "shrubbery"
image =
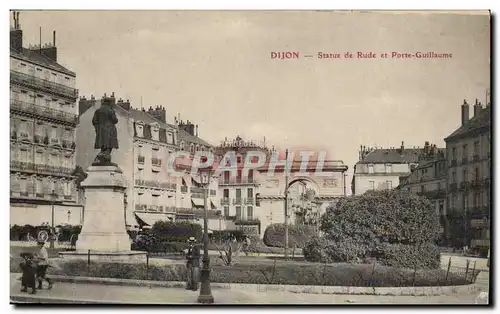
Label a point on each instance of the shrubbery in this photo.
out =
(298, 235)
(289, 273)
(393, 226)
(169, 231)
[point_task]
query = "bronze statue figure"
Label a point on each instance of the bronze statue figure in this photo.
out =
(106, 137)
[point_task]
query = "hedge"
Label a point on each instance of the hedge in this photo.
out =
(290, 273)
(298, 235)
(169, 231)
(410, 256)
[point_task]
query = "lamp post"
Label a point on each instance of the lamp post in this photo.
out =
(52, 231)
(286, 204)
(205, 289)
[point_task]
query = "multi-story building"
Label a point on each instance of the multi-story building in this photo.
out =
(43, 117)
(146, 141)
(239, 187)
(468, 154)
(381, 169)
(429, 179)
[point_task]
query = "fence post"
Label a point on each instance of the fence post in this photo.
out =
(447, 271)
(147, 266)
(88, 262)
(467, 270)
(474, 273)
(414, 274)
(373, 272)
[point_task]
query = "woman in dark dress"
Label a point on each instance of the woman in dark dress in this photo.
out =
(29, 267)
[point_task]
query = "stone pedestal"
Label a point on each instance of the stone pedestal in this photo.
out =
(103, 232)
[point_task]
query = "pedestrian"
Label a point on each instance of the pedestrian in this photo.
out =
(192, 264)
(29, 268)
(42, 258)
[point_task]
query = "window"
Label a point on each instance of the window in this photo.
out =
(370, 168)
(238, 159)
(39, 187)
(371, 184)
(388, 168)
(250, 175)
(226, 177)
(170, 139)
(53, 132)
(439, 186)
(422, 188)
(476, 148)
(250, 193)
(226, 193)
(39, 158)
(24, 154)
(23, 184)
(453, 153)
(238, 176)
(226, 211)
(389, 185)
(476, 174)
(453, 177)
(465, 175)
(238, 194)
(238, 212)
(181, 145)
(465, 152)
(249, 212)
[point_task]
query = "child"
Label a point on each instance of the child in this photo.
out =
(29, 267)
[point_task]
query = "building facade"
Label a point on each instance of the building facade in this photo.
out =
(381, 169)
(146, 142)
(43, 118)
(468, 154)
(429, 179)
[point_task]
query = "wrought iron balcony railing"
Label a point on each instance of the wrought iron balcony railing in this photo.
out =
(156, 184)
(140, 159)
(156, 162)
(45, 112)
(38, 83)
(224, 201)
(40, 168)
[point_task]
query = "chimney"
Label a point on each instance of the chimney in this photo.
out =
(477, 107)
(426, 148)
(465, 112)
(124, 104)
(16, 34)
(85, 104)
(402, 146)
(197, 130)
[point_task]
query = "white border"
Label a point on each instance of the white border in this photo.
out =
(212, 5)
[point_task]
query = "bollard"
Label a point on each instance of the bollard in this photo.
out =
(447, 271)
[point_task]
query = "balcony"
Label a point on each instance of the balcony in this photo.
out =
(148, 208)
(237, 201)
(249, 201)
(156, 184)
(247, 221)
(465, 160)
(141, 159)
(225, 201)
(454, 163)
(453, 187)
(36, 111)
(41, 84)
(465, 185)
(156, 164)
(237, 182)
(40, 168)
(68, 144)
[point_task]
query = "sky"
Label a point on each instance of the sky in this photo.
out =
(214, 68)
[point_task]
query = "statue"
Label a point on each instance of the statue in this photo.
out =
(106, 137)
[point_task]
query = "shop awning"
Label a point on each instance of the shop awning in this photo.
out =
(197, 202)
(149, 219)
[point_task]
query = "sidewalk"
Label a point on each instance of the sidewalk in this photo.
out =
(95, 293)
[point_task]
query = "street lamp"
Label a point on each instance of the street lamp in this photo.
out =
(205, 290)
(52, 231)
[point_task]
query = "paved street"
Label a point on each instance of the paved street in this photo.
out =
(143, 295)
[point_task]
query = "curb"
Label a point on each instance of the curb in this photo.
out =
(382, 291)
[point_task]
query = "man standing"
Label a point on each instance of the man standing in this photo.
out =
(42, 258)
(193, 265)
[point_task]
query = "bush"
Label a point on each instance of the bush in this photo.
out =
(298, 235)
(289, 273)
(409, 256)
(225, 235)
(381, 224)
(169, 231)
